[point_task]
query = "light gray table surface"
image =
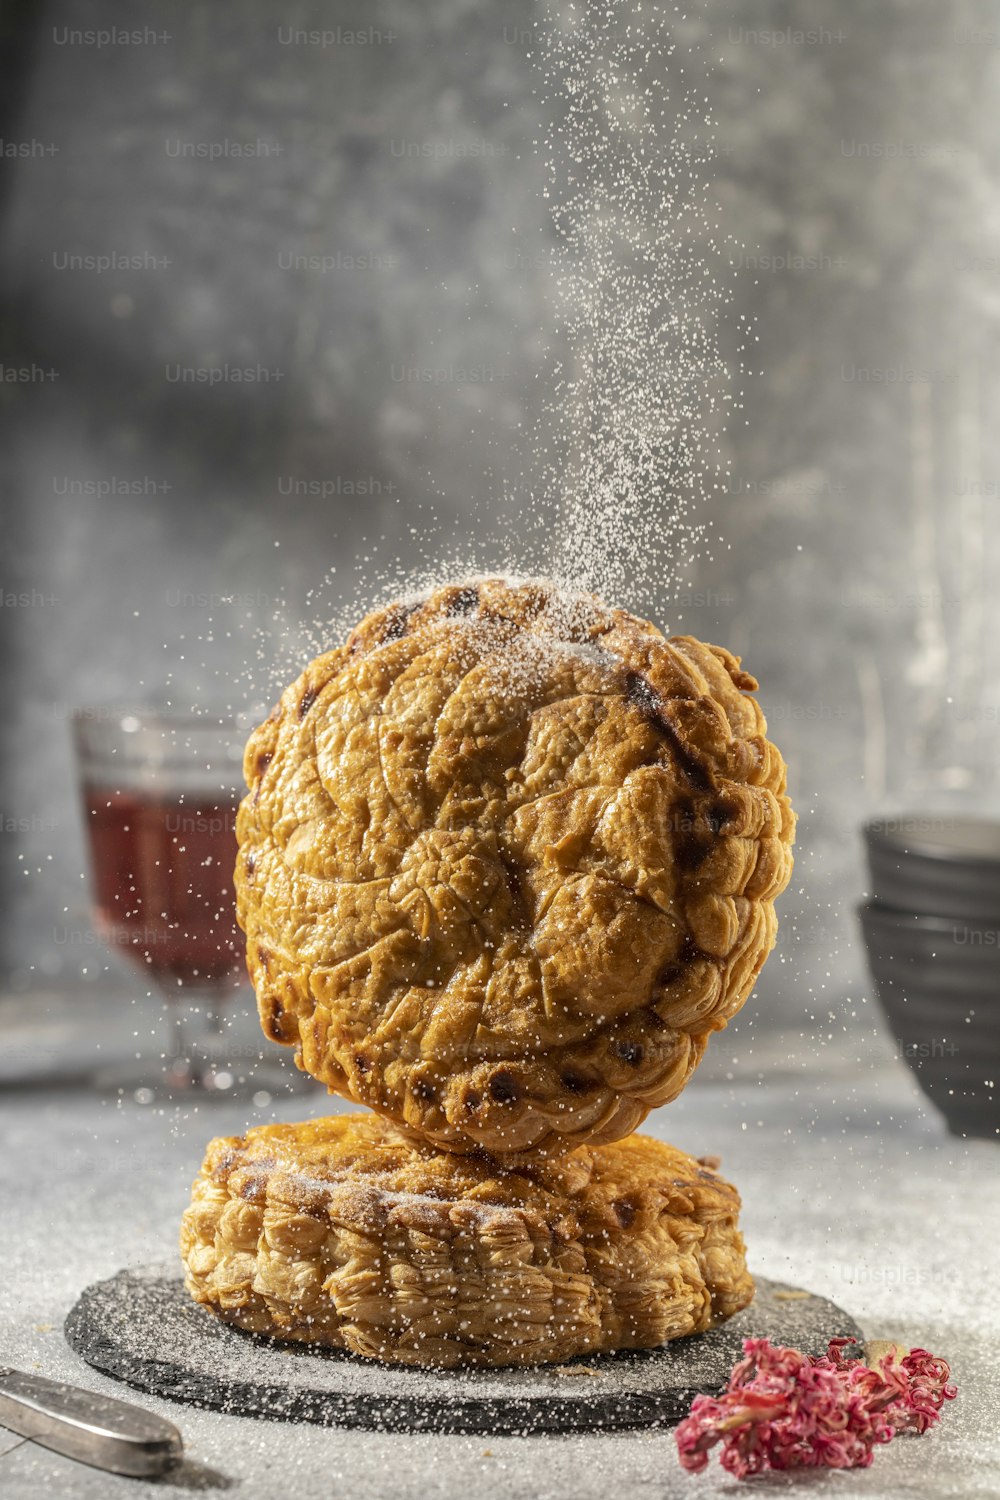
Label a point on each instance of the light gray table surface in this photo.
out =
(851, 1187)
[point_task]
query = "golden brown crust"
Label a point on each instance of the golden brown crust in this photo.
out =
(506, 861)
(340, 1233)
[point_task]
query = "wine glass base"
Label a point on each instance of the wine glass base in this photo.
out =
(200, 1081)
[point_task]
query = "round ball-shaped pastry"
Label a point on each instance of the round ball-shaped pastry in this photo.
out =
(340, 1233)
(507, 858)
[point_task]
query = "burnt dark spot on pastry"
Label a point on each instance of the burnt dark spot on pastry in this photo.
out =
(224, 1165)
(624, 1211)
(260, 766)
(690, 852)
(669, 976)
(250, 863)
(687, 763)
(691, 843)
(640, 692)
(629, 1052)
(503, 1087)
(464, 602)
(472, 1101)
(306, 702)
(516, 883)
(397, 621)
(276, 1022)
(689, 951)
(576, 1083)
(362, 1063)
(254, 1189)
(721, 813)
(422, 1088)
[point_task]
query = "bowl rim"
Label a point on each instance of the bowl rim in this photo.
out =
(875, 833)
(922, 922)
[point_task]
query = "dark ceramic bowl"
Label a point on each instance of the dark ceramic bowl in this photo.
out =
(939, 864)
(938, 981)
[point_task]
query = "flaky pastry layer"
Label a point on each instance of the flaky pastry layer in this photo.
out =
(341, 1233)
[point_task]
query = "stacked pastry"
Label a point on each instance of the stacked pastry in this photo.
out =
(507, 859)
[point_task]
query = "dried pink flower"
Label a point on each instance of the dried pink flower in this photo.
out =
(787, 1410)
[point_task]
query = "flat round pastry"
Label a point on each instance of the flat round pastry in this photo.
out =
(507, 859)
(339, 1232)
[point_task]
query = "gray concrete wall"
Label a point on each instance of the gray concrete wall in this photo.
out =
(857, 162)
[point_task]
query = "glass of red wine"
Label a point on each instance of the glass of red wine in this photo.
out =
(160, 793)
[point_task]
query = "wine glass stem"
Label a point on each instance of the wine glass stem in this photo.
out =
(176, 1050)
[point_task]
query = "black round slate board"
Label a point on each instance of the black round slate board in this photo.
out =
(142, 1327)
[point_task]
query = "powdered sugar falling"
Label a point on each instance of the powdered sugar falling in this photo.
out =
(628, 446)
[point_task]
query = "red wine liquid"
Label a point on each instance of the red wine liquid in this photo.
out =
(163, 880)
